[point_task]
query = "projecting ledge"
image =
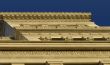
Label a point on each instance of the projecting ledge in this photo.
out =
(55, 46)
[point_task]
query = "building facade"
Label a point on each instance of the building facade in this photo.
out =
(52, 38)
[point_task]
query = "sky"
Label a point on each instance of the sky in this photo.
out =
(100, 9)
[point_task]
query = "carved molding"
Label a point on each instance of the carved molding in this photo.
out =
(54, 54)
(45, 15)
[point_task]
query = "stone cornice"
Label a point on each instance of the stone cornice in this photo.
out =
(55, 46)
(45, 15)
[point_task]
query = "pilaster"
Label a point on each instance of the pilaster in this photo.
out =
(54, 63)
(17, 64)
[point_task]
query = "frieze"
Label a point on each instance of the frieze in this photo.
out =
(50, 54)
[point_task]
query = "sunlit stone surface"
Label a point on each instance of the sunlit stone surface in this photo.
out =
(52, 38)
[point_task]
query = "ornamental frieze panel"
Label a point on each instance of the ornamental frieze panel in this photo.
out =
(53, 54)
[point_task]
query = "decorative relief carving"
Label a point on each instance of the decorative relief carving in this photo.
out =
(50, 15)
(51, 54)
